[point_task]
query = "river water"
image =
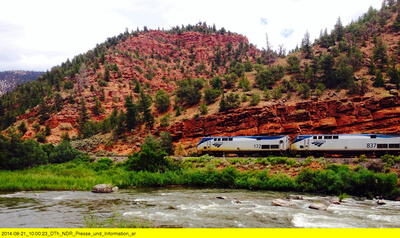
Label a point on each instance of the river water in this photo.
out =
(192, 208)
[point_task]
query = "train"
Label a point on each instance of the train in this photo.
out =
(316, 145)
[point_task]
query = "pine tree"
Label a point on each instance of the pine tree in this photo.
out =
(131, 113)
(83, 113)
(379, 82)
(306, 46)
(97, 106)
(339, 30)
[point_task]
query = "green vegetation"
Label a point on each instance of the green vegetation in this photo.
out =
(150, 168)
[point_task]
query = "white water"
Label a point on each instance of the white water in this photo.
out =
(193, 208)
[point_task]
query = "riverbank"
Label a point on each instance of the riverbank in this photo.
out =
(273, 173)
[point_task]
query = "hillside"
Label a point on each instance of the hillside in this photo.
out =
(197, 81)
(10, 79)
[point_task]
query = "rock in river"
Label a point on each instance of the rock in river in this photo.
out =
(104, 188)
(281, 202)
(318, 206)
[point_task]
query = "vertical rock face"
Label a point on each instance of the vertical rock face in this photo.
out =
(324, 117)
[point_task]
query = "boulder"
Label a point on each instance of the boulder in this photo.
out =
(281, 203)
(334, 200)
(296, 197)
(318, 206)
(104, 188)
(222, 197)
(381, 202)
(394, 92)
(390, 86)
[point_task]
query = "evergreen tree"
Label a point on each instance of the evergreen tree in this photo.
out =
(165, 142)
(339, 30)
(22, 127)
(306, 46)
(396, 23)
(97, 106)
(379, 53)
(83, 113)
(379, 82)
(162, 102)
(131, 113)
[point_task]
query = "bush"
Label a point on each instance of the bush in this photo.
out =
(103, 164)
(68, 84)
(162, 102)
(64, 152)
(150, 158)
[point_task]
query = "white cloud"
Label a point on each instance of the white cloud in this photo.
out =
(36, 35)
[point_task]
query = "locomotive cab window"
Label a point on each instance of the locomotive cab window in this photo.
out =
(328, 137)
(315, 137)
(230, 139)
(373, 136)
(319, 137)
(335, 137)
(224, 139)
(258, 138)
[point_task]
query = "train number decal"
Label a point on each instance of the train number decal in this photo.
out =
(371, 145)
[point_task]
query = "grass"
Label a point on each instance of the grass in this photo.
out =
(334, 179)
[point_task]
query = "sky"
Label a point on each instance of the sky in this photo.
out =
(38, 35)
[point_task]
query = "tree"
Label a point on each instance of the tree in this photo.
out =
(327, 62)
(306, 46)
(379, 53)
(230, 102)
(396, 23)
(165, 142)
(230, 80)
(97, 106)
(131, 113)
(144, 104)
(304, 91)
(203, 109)
(211, 95)
(162, 102)
(379, 82)
(150, 158)
(339, 30)
(83, 113)
(255, 99)
(293, 65)
(189, 91)
(22, 127)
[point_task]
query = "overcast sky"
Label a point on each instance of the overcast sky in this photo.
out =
(40, 34)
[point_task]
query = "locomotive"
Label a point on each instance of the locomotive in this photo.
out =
(346, 144)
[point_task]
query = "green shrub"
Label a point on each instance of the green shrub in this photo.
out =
(103, 164)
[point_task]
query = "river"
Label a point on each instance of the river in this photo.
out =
(192, 208)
